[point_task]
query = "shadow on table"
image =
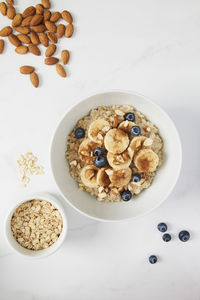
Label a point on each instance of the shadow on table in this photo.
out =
(187, 123)
(80, 227)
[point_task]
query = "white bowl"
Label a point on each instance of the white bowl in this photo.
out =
(44, 252)
(149, 199)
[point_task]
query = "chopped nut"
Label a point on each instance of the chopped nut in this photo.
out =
(119, 112)
(73, 163)
(115, 121)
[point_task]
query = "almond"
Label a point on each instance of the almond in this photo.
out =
(17, 20)
(65, 56)
(29, 11)
(52, 37)
(24, 38)
(67, 16)
(69, 30)
(34, 79)
(36, 20)
(39, 28)
(26, 69)
(21, 50)
(50, 50)
(34, 49)
(11, 13)
(46, 3)
(27, 21)
(13, 39)
(47, 15)
(10, 2)
(5, 31)
(3, 8)
(60, 70)
(50, 26)
(44, 39)
(39, 9)
(34, 38)
(23, 29)
(1, 46)
(60, 30)
(55, 17)
(51, 60)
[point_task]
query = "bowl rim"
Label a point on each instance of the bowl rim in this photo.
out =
(150, 101)
(40, 253)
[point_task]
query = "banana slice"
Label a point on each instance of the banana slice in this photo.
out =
(97, 130)
(146, 160)
(102, 178)
(120, 161)
(89, 176)
(126, 126)
(86, 150)
(119, 178)
(140, 142)
(116, 141)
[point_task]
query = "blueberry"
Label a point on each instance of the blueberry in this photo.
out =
(166, 237)
(100, 161)
(184, 236)
(153, 259)
(126, 195)
(79, 133)
(136, 177)
(135, 130)
(98, 151)
(129, 116)
(162, 227)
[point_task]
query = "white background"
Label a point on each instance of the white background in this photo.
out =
(148, 46)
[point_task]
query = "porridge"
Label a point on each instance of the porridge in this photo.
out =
(114, 152)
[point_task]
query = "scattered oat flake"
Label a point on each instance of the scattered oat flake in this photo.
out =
(26, 165)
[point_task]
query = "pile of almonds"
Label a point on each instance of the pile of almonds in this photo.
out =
(37, 25)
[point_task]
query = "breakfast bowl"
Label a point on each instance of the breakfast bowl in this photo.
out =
(55, 206)
(146, 201)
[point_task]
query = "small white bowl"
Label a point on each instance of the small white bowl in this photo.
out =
(44, 252)
(149, 199)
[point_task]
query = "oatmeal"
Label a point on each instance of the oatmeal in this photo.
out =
(114, 152)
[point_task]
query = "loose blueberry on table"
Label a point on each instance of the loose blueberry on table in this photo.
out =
(166, 237)
(153, 259)
(135, 131)
(98, 151)
(162, 227)
(126, 195)
(79, 133)
(100, 161)
(129, 117)
(136, 177)
(184, 236)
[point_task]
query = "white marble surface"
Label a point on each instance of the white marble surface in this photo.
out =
(153, 48)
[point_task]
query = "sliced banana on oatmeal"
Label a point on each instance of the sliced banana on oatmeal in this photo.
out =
(89, 176)
(116, 141)
(97, 130)
(140, 142)
(86, 150)
(103, 178)
(120, 161)
(146, 160)
(119, 178)
(126, 126)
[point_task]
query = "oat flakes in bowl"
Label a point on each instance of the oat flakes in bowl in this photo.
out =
(37, 226)
(114, 152)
